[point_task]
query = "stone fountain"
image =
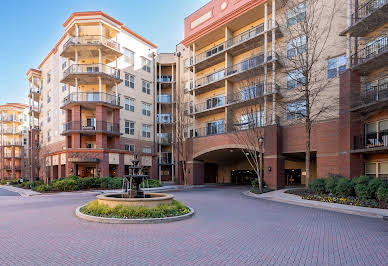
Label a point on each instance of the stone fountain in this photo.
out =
(135, 196)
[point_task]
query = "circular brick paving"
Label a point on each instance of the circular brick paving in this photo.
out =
(228, 228)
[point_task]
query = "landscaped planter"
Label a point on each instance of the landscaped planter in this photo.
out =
(156, 199)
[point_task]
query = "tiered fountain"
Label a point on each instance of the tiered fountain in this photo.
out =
(135, 196)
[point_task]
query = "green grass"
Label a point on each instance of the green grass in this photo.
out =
(93, 208)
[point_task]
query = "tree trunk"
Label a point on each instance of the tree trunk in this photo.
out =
(308, 130)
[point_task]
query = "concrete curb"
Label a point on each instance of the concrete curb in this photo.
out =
(347, 209)
(22, 192)
(90, 218)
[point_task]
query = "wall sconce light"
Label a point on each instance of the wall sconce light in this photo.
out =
(71, 170)
(269, 168)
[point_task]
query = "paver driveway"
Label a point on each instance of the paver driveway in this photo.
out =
(228, 229)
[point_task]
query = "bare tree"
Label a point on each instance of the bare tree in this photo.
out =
(308, 26)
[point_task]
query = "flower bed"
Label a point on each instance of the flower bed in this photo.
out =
(310, 195)
(93, 208)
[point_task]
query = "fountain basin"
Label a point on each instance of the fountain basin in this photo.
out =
(154, 200)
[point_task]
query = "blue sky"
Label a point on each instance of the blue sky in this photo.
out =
(30, 29)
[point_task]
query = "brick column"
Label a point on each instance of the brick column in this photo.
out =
(120, 167)
(273, 158)
(13, 162)
(22, 162)
(101, 117)
(76, 118)
(195, 173)
(104, 165)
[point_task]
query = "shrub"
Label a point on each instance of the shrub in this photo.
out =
(67, 184)
(121, 211)
(382, 194)
(111, 182)
(361, 191)
(373, 185)
(150, 183)
(331, 184)
(319, 185)
(43, 188)
(363, 180)
(344, 187)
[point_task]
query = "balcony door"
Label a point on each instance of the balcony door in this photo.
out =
(215, 127)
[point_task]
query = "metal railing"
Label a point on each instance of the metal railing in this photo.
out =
(375, 93)
(367, 9)
(371, 140)
(92, 69)
(210, 130)
(211, 103)
(233, 41)
(251, 92)
(164, 138)
(12, 143)
(163, 118)
(164, 98)
(92, 40)
(165, 79)
(241, 67)
(370, 51)
(93, 125)
(75, 97)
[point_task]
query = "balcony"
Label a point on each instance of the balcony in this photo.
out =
(251, 66)
(88, 45)
(90, 99)
(34, 94)
(251, 93)
(8, 155)
(373, 56)
(164, 98)
(90, 74)
(210, 130)
(91, 127)
(241, 43)
(11, 131)
(374, 97)
(371, 143)
(164, 138)
(11, 119)
(165, 79)
(12, 143)
(165, 158)
(367, 18)
(212, 105)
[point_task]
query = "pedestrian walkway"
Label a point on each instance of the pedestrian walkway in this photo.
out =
(281, 196)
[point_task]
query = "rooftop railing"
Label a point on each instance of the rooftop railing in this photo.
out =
(91, 40)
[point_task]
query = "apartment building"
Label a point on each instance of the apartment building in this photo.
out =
(92, 101)
(166, 71)
(14, 122)
(364, 89)
(231, 54)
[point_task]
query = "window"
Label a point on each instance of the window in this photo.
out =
(146, 131)
(336, 66)
(63, 87)
(146, 109)
(146, 64)
(377, 169)
(252, 92)
(296, 14)
(64, 62)
(376, 133)
(48, 116)
(129, 80)
(129, 104)
(48, 96)
(129, 127)
(296, 46)
(24, 141)
(146, 150)
(129, 147)
(215, 102)
(295, 79)
(252, 120)
(48, 136)
(215, 127)
(146, 86)
(129, 56)
(48, 77)
(90, 145)
(296, 110)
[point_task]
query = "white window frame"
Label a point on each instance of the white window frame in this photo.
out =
(146, 86)
(336, 66)
(294, 110)
(129, 104)
(296, 14)
(129, 56)
(146, 131)
(296, 46)
(146, 109)
(129, 127)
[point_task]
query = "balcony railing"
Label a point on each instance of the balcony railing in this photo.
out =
(375, 93)
(164, 98)
(91, 97)
(241, 67)
(233, 41)
(165, 158)
(370, 51)
(11, 119)
(371, 140)
(92, 69)
(164, 138)
(165, 79)
(12, 143)
(11, 131)
(209, 104)
(164, 118)
(210, 130)
(92, 40)
(92, 126)
(9, 155)
(367, 9)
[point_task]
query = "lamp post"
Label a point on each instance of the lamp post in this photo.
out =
(261, 142)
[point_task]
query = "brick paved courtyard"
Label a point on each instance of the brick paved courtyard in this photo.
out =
(228, 229)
